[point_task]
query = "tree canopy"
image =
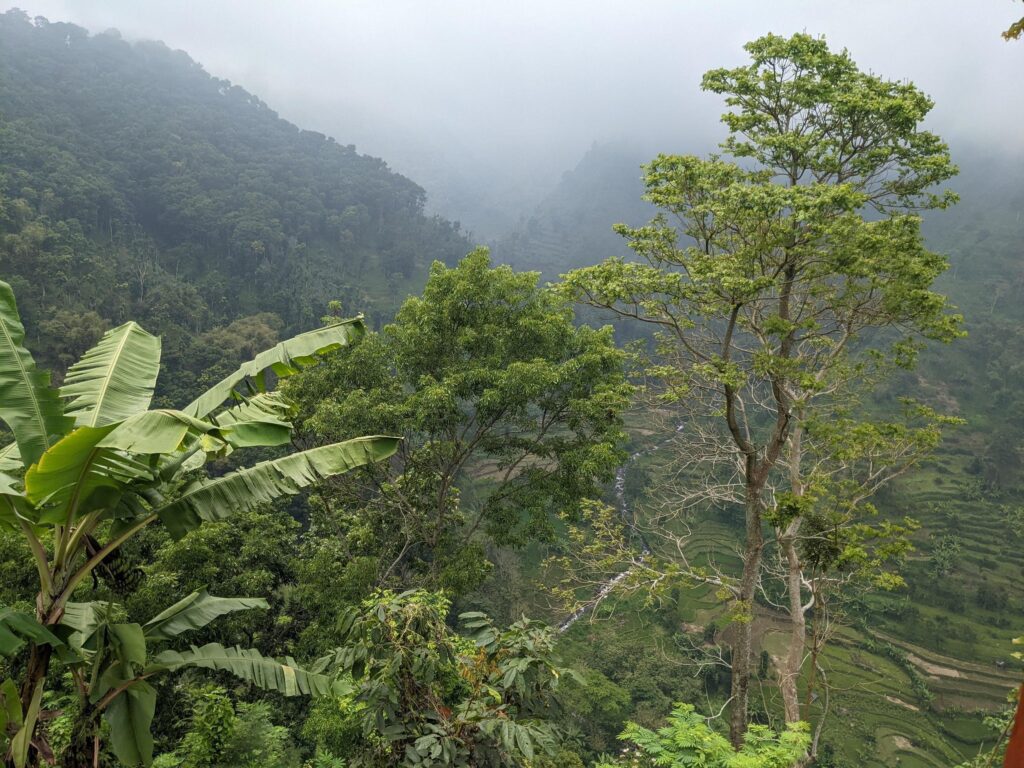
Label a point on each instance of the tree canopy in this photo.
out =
(511, 415)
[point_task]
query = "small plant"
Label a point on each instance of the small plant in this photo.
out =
(689, 740)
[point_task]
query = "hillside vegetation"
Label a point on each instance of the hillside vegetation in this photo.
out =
(136, 185)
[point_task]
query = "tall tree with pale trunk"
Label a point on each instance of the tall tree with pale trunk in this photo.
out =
(781, 277)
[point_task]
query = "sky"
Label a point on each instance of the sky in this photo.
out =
(515, 92)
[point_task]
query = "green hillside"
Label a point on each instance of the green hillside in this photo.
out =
(135, 184)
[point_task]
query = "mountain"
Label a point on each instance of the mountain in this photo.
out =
(572, 225)
(135, 184)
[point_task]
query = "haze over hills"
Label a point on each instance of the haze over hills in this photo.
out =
(572, 224)
(513, 95)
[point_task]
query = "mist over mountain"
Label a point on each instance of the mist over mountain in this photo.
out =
(486, 106)
(572, 224)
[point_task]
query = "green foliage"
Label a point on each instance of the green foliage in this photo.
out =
(257, 741)
(220, 737)
(945, 556)
(252, 553)
(427, 696)
(510, 414)
(688, 740)
(597, 706)
(110, 471)
(213, 725)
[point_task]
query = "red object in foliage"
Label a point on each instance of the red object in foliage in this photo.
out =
(1015, 749)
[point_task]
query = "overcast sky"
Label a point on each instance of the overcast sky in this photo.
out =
(527, 86)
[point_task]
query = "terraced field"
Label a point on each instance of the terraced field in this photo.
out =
(933, 630)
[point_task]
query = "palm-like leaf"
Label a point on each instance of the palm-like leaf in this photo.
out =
(18, 627)
(262, 420)
(196, 611)
(27, 404)
(71, 471)
(130, 715)
(216, 499)
(247, 663)
(81, 620)
(10, 458)
(162, 431)
(114, 379)
(9, 484)
(285, 359)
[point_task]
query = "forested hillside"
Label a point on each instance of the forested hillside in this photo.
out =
(136, 185)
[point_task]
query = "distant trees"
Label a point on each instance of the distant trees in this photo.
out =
(781, 283)
(134, 184)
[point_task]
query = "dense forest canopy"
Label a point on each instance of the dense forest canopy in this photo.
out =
(136, 185)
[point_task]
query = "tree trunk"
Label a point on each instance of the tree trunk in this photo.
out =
(742, 646)
(38, 664)
(35, 675)
(83, 749)
(789, 674)
(792, 663)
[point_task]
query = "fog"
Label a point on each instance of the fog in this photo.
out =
(496, 99)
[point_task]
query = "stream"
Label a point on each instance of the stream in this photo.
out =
(627, 518)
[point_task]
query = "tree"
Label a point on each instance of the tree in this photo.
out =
(688, 740)
(780, 281)
(90, 467)
(510, 414)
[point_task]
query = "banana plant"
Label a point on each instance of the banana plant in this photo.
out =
(112, 662)
(91, 465)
